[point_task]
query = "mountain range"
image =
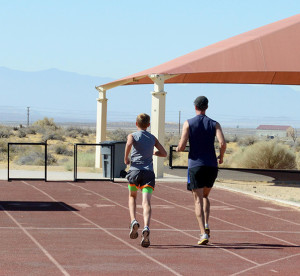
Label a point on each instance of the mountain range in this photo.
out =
(71, 97)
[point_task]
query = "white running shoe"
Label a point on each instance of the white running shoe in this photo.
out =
(145, 237)
(203, 239)
(134, 227)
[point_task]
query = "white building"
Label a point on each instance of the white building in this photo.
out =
(272, 131)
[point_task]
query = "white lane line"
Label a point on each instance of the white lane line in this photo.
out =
(167, 225)
(107, 232)
(48, 255)
(235, 206)
(152, 229)
(260, 265)
(231, 223)
(271, 209)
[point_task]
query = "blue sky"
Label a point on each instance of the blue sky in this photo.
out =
(117, 38)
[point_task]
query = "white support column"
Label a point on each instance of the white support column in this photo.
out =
(101, 124)
(158, 119)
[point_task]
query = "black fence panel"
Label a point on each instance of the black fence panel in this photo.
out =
(9, 145)
(112, 151)
(173, 149)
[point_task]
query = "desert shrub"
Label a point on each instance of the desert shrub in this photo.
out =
(118, 135)
(72, 134)
(3, 145)
(298, 161)
(231, 139)
(21, 133)
(46, 123)
(53, 136)
(171, 139)
(5, 132)
(264, 155)
(62, 150)
(75, 132)
(35, 158)
(30, 130)
(44, 126)
(247, 141)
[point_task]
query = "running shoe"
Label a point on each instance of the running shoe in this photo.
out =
(145, 237)
(207, 231)
(203, 239)
(134, 227)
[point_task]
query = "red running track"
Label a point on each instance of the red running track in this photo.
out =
(70, 228)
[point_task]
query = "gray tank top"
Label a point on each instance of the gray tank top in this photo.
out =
(142, 150)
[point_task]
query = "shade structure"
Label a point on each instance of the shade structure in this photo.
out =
(266, 55)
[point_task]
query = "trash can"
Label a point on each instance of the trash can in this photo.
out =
(117, 158)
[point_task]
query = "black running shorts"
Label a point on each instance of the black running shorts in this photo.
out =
(200, 177)
(141, 178)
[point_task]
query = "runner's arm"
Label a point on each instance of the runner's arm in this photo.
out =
(184, 137)
(161, 152)
(128, 149)
(222, 142)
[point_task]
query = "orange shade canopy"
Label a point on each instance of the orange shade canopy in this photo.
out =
(266, 55)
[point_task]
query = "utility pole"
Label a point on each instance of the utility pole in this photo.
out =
(28, 116)
(179, 122)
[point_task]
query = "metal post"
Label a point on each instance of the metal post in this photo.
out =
(46, 159)
(28, 116)
(179, 123)
(171, 157)
(8, 162)
(75, 162)
(112, 167)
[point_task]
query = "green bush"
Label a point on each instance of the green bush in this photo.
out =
(86, 159)
(264, 155)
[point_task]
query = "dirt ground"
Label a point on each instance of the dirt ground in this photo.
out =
(287, 192)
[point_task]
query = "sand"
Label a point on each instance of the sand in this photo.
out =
(278, 191)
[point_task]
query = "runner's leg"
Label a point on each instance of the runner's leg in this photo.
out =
(132, 204)
(198, 199)
(206, 204)
(147, 208)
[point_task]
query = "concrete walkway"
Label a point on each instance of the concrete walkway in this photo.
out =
(169, 175)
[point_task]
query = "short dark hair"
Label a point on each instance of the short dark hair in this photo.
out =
(201, 103)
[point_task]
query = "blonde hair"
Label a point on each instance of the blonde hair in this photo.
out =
(143, 120)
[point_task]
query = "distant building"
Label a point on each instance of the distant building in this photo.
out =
(272, 131)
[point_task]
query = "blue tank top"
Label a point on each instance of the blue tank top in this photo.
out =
(142, 150)
(202, 132)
